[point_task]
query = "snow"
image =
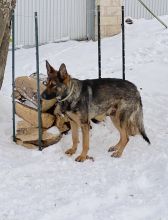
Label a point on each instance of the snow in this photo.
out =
(49, 185)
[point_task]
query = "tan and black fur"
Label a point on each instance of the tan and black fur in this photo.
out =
(94, 99)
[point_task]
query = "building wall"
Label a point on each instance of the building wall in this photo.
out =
(59, 20)
(134, 9)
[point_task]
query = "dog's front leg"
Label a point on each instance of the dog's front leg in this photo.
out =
(85, 135)
(75, 138)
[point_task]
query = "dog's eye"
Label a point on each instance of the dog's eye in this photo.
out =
(45, 83)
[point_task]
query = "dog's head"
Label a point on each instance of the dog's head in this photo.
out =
(57, 82)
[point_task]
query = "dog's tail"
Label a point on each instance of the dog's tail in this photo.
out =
(141, 125)
(143, 133)
(135, 122)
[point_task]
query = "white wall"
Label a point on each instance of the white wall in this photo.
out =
(58, 20)
(136, 10)
(69, 19)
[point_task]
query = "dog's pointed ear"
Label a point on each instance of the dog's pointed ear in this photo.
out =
(50, 69)
(63, 72)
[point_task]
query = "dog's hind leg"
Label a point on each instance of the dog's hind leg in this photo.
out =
(85, 135)
(75, 138)
(119, 147)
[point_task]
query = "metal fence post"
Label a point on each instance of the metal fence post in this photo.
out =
(38, 84)
(13, 75)
(123, 43)
(155, 16)
(99, 40)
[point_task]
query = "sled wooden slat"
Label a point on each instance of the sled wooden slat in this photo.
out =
(31, 141)
(27, 88)
(34, 137)
(27, 135)
(30, 115)
(27, 145)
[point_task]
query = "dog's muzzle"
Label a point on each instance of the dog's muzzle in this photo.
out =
(46, 96)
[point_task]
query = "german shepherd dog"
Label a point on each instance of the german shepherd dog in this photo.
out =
(94, 99)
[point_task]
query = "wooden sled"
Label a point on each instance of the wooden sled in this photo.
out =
(26, 109)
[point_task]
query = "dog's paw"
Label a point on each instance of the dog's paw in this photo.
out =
(116, 153)
(81, 158)
(90, 158)
(70, 151)
(111, 149)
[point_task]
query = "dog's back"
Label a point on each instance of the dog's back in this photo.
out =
(99, 95)
(116, 98)
(110, 88)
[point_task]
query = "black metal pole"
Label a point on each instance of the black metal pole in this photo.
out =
(99, 40)
(123, 43)
(38, 84)
(13, 75)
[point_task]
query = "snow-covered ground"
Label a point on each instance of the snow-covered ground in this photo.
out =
(49, 185)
